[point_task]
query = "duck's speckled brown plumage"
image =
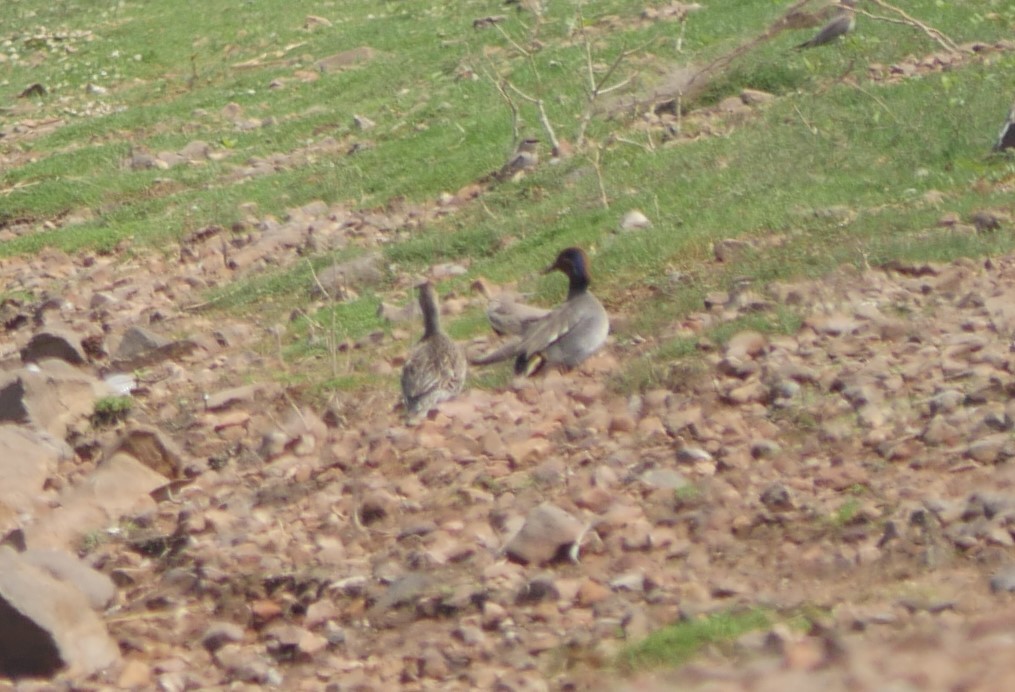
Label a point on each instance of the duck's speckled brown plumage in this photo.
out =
(436, 367)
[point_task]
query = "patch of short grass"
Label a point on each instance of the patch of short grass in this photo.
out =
(110, 410)
(677, 643)
(892, 158)
(845, 513)
(317, 335)
(781, 320)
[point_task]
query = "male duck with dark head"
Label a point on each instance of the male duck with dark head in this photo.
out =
(571, 332)
(436, 367)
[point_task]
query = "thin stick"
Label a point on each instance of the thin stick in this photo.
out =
(810, 128)
(554, 142)
(599, 177)
(876, 100)
(935, 34)
(317, 281)
(512, 41)
(624, 140)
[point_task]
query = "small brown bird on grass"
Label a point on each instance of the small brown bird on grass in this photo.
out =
(841, 24)
(525, 159)
(436, 367)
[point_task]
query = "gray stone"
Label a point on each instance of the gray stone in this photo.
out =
(119, 485)
(59, 564)
(1003, 580)
(49, 396)
(634, 220)
(27, 458)
(664, 478)
(547, 530)
(337, 279)
(138, 340)
(402, 591)
(228, 398)
(777, 498)
(46, 625)
(54, 343)
(153, 448)
(219, 634)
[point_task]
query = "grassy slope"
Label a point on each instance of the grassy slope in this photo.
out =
(871, 148)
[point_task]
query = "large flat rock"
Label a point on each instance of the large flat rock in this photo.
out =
(47, 625)
(27, 458)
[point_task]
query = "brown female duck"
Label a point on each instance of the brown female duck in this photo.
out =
(436, 367)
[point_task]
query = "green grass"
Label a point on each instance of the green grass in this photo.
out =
(845, 513)
(110, 410)
(677, 643)
(840, 169)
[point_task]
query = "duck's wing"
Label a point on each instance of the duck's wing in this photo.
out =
(436, 368)
(552, 327)
(419, 378)
(509, 317)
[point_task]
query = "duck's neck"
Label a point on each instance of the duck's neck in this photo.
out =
(431, 315)
(578, 281)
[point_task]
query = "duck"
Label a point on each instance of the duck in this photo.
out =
(436, 367)
(840, 24)
(567, 335)
(506, 314)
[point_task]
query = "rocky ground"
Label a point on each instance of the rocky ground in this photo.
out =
(857, 471)
(854, 475)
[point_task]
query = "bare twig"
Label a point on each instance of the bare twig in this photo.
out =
(876, 100)
(935, 34)
(510, 40)
(499, 85)
(544, 119)
(723, 61)
(317, 281)
(296, 408)
(810, 128)
(597, 166)
(596, 86)
(680, 36)
(623, 140)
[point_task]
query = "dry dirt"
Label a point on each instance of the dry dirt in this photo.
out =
(856, 474)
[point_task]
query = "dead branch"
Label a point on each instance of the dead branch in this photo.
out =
(499, 85)
(544, 119)
(701, 76)
(320, 286)
(935, 34)
(680, 36)
(596, 86)
(878, 101)
(724, 61)
(596, 158)
(510, 40)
